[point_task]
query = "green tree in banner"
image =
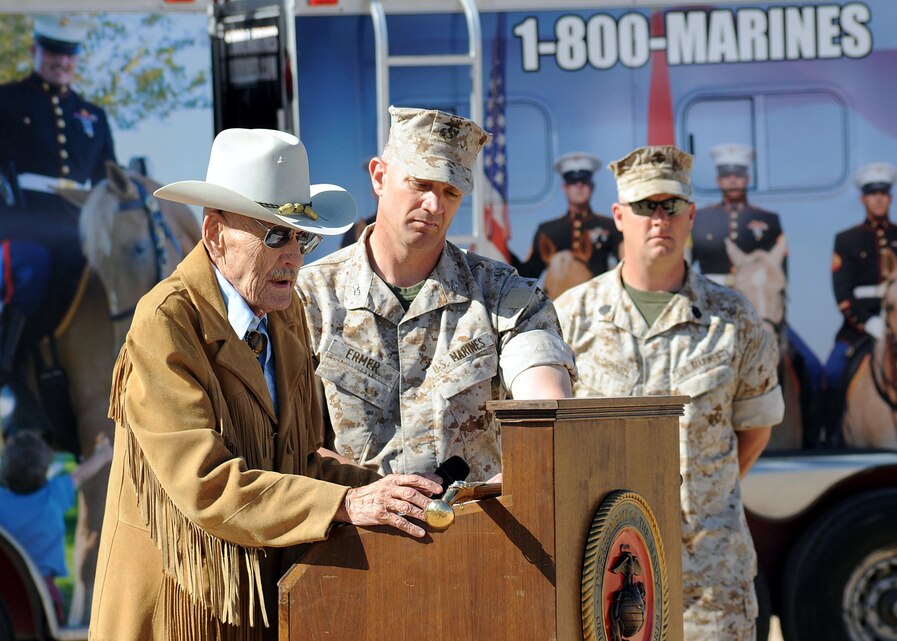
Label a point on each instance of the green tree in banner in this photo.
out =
(135, 66)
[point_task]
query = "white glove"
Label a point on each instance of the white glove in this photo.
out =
(875, 327)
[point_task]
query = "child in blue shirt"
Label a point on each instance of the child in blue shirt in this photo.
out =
(32, 507)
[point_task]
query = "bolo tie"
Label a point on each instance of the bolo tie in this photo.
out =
(257, 342)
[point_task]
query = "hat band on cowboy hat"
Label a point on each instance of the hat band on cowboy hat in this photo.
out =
(263, 174)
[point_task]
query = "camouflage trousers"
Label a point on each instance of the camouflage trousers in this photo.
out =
(720, 613)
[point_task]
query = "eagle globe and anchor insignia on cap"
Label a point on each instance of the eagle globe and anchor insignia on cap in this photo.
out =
(625, 590)
(450, 131)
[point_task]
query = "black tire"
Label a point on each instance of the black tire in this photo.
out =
(764, 606)
(847, 558)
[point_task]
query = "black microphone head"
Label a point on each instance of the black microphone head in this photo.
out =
(452, 469)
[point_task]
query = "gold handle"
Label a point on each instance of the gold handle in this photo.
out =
(439, 512)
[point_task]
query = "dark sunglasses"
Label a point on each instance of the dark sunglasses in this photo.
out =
(277, 236)
(672, 206)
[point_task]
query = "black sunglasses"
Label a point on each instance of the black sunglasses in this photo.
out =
(672, 206)
(277, 236)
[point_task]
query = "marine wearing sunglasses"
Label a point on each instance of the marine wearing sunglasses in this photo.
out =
(671, 206)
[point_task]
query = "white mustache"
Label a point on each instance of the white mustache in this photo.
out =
(284, 274)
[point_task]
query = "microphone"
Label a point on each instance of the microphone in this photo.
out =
(450, 470)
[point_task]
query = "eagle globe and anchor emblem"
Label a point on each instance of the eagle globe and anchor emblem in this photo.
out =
(625, 591)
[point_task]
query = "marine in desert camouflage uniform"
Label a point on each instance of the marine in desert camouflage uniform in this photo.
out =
(413, 335)
(652, 326)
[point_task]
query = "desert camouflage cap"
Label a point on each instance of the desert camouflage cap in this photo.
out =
(434, 145)
(649, 171)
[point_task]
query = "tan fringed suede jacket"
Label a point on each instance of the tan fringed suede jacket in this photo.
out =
(207, 484)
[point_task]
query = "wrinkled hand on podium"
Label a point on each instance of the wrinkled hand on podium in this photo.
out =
(390, 501)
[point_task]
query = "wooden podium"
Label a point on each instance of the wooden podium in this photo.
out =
(510, 568)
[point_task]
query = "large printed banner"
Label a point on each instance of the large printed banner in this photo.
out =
(808, 88)
(697, 37)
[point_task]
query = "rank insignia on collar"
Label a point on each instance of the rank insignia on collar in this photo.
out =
(87, 120)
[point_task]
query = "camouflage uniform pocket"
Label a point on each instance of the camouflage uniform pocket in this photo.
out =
(603, 378)
(353, 371)
(715, 379)
(467, 374)
(359, 390)
(459, 405)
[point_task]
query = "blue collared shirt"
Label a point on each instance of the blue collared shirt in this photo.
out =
(243, 320)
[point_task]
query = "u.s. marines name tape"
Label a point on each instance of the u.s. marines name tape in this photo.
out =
(464, 352)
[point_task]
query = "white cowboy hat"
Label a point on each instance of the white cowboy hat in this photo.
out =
(263, 174)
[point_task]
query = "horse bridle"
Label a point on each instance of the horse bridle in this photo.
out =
(159, 230)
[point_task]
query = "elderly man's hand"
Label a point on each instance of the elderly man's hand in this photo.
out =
(388, 502)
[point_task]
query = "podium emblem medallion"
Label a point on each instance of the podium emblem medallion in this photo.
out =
(625, 591)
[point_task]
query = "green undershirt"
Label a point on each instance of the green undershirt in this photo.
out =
(406, 295)
(649, 304)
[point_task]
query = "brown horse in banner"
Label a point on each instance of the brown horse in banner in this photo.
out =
(870, 414)
(760, 276)
(130, 242)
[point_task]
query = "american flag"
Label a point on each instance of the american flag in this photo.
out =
(495, 216)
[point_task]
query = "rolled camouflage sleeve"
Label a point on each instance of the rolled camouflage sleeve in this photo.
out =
(530, 334)
(758, 398)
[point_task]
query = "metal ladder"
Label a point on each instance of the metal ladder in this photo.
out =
(473, 59)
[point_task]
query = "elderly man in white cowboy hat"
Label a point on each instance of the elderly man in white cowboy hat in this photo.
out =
(217, 424)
